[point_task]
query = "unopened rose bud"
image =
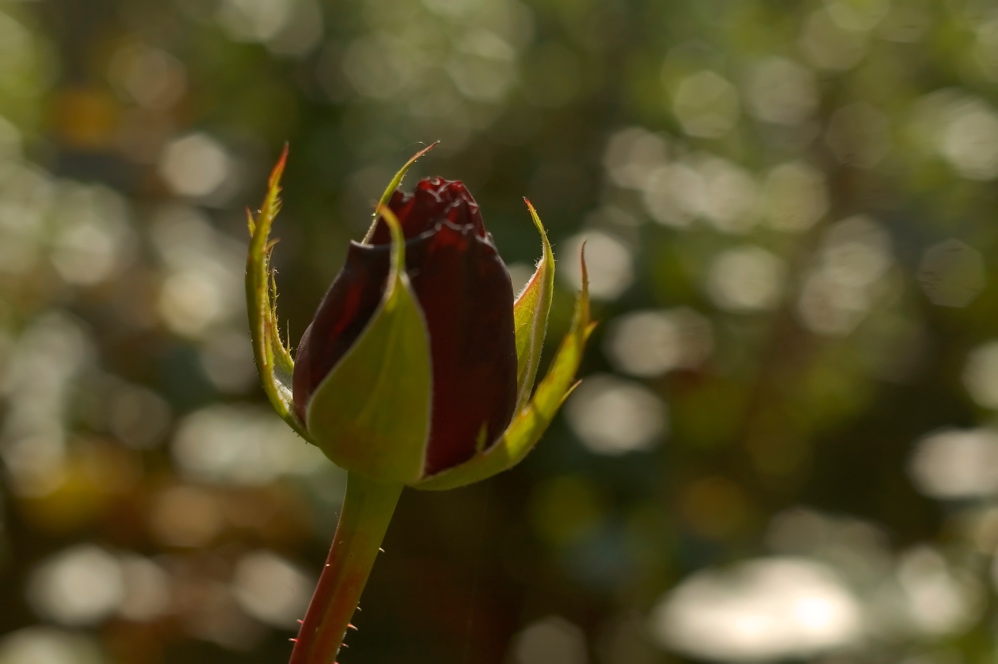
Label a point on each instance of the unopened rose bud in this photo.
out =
(418, 368)
(465, 298)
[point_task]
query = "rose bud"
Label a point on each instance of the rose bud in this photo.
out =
(465, 297)
(418, 366)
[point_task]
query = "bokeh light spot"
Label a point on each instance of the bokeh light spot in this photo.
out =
(980, 374)
(150, 77)
(137, 416)
(185, 516)
(483, 68)
(381, 66)
(47, 645)
(761, 610)
(287, 27)
(46, 360)
(609, 261)
(675, 194)
(956, 464)
(746, 278)
(650, 343)
(827, 45)
(794, 197)
(240, 445)
(781, 91)
(78, 586)
(147, 589)
(969, 140)
(729, 194)
(706, 104)
(203, 286)
(631, 154)
(843, 283)
(858, 15)
(195, 165)
(939, 599)
(551, 640)
(952, 273)
(271, 589)
(93, 236)
(614, 416)
(227, 358)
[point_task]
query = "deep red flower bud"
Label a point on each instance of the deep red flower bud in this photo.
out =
(463, 289)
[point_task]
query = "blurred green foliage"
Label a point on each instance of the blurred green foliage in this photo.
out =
(785, 448)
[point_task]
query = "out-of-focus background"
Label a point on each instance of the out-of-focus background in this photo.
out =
(785, 448)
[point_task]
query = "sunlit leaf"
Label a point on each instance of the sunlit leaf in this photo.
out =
(273, 357)
(371, 413)
(530, 314)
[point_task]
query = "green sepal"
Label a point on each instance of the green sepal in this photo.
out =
(273, 357)
(530, 316)
(530, 423)
(371, 413)
(390, 189)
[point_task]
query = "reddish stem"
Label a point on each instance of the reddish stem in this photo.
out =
(367, 510)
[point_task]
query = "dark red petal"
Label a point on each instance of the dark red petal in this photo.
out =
(465, 292)
(434, 200)
(342, 315)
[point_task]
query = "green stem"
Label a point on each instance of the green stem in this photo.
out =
(367, 510)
